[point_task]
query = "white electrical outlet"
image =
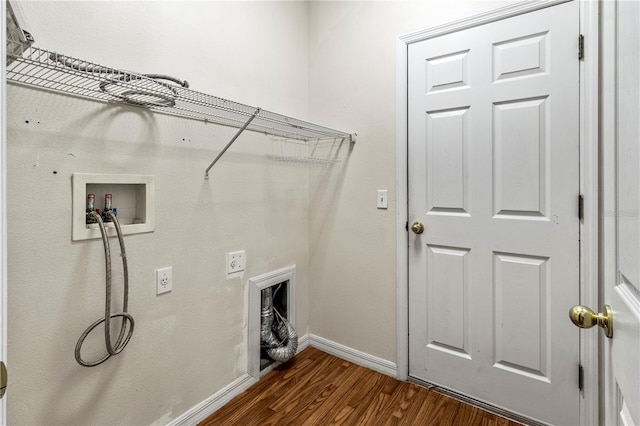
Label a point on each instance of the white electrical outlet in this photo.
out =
(164, 280)
(236, 261)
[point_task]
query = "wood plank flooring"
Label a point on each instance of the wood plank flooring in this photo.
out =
(316, 388)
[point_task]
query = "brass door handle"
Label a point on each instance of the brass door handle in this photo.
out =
(417, 227)
(584, 317)
(3, 379)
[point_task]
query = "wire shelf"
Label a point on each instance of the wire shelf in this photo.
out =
(53, 71)
(318, 152)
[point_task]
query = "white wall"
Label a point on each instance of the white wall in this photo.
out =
(253, 52)
(190, 343)
(352, 47)
(331, 62)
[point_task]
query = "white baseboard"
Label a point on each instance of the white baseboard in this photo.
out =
(303, 343)
(217, 400)
(214, 402)
(372, 362)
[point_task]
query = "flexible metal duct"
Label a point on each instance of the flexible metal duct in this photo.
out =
(267, 336)
(289, 337)
(283, 343)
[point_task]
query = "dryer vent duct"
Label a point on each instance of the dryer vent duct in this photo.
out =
(277, 335)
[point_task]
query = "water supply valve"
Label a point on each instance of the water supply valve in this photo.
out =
(107, 208)
(90, 208)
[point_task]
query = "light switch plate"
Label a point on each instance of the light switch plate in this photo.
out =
(382, 198)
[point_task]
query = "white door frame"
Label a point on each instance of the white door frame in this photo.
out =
(3, 206)
(589, 264)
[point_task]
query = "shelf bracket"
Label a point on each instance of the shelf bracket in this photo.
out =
(233, 139)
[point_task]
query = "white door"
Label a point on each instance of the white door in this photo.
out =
(621, 150)
(494, 178)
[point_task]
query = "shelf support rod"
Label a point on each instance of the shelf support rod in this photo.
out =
(233, 139)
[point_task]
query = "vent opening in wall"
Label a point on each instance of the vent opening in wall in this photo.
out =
(272, 337)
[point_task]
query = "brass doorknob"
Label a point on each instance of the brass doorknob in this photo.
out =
(417, 227)
(584, 317)
(3, 379)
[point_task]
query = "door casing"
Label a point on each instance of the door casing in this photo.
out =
(589, 175)
(3, 208)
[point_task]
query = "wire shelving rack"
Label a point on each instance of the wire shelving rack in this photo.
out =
(33, 66)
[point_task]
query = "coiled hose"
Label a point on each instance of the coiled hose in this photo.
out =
(156, 94)
(124, 335)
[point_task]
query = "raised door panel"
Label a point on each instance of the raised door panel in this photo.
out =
(447, 72)
(521, 288)
(521, 163)
(521, 57)
(447, 139)
(448, 291)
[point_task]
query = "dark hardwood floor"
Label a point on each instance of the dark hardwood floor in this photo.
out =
(316, 388)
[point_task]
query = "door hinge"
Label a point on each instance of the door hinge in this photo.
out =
(581, 47)
(580, 207)
(580, 377)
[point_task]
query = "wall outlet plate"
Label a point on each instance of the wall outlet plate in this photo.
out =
(236, 261)
(164, 280)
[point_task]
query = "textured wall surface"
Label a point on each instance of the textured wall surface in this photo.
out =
(191, 342)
